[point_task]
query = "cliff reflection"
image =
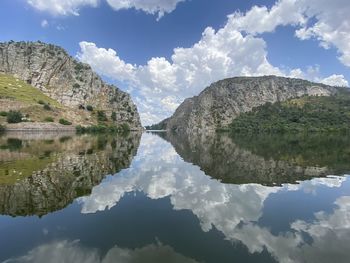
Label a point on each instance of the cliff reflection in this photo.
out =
(267, 160)
(40, 174)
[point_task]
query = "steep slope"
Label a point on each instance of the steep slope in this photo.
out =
(73, 84)
(223, 101)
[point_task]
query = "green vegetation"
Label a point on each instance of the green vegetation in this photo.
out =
(14, 117)
(89, 108)
(2, 128)
(101, 116)
(47, 107)
(15, 89)
(3, 113)
(64, 122)
(114, 116)
(305, 114)
(124, 128)
(49, 119)
(155, 127)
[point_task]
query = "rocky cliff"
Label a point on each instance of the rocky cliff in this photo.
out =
(61, 77)
(223, 101)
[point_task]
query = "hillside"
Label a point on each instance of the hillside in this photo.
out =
(314, 114)
(35, 71)
(219, 104)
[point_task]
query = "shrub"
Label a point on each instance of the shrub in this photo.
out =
(125, 127)
(3, 113)
(114, 116)
(14, 117)
(64, 122)
(47, 107)
(89, 108)
(101, 116)
(76, 86)
(41, 102)
(49, 119)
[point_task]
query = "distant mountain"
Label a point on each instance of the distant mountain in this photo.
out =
(71, 84)
(219, 104)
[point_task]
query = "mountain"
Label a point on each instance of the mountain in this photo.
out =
(72, 84)
(219, 104)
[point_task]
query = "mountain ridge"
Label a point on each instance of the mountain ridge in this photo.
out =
(61, 77)
(220, 103)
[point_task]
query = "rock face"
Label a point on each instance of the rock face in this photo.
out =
(223, 101)
(61, 77)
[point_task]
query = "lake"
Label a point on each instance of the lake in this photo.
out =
(158, 197)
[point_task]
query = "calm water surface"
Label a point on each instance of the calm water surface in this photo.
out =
(174, 198)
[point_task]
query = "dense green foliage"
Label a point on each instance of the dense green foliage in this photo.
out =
(157, 127)
(124, 128)
(89, 108)
(49, 119)
(14, 117)
(101, 116)
(64, 122)
(114, 116)
(3, 113)
(305, 114)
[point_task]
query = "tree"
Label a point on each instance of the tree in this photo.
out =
(14, 117)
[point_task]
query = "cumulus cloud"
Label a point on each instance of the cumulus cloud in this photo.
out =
(158, 7)
(163, 84)
(72, 7)
(62, 7)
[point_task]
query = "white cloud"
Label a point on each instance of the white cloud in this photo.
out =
(44, 23)
(159, 7)
(234, 50)
(335, 80)
(62, 7)
(72, 7)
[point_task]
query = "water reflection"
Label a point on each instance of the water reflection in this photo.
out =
(73, 251)
(267, 160)
(40, 174)
(167, 206)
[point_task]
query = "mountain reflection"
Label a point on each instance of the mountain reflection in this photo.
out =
(267, 160)
(44, 173)
(235, 210)
(73, 251)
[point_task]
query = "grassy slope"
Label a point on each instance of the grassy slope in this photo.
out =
(315, 114)
(12, 88)
(18, 95)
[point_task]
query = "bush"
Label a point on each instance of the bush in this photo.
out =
(114, 116)
(49, 119)
(64, 122)
(47, 107)
(3, 113)
(41, 102)
(14, 117)
(89, 108)
(76, 86)
(101, 116)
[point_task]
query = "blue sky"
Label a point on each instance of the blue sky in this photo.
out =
(135, 48)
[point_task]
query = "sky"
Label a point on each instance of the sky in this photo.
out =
(164, 51)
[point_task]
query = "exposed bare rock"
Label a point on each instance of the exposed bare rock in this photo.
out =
(61, 77)
(223, 101)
